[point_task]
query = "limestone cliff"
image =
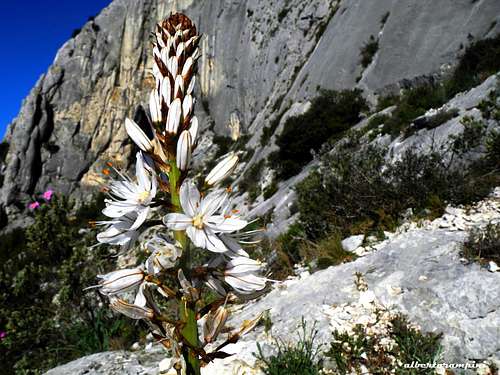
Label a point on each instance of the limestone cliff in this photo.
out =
(258, 58)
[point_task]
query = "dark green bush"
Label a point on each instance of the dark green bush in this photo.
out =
(368, 51)
(47, 317)
(251, 180)
(480, 60)
(483, 245)
(293, 359)
(330, 115)
(413, 103)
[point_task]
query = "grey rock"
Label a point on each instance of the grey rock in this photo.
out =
(353, 242)
(254, 66)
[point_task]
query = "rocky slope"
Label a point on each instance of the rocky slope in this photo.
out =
(259, 58)
(417, 270)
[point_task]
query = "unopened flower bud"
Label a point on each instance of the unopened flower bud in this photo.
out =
(184, 150)
(222, 169)
(138, 136)
(155, 107)
(120, 281)
(130, 310)
(174, 116)
(214, 323)
(193, 130)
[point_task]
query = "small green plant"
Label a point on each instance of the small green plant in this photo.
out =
(368, 51)
(381, 353)
(471, 137)
(251, 180)
(327, 252)
(483, 245)
(271, 189)
(293, 359)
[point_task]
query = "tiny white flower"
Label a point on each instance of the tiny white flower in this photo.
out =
(184, 150)
(128, 196)
(199, 219)
(222, 169)
(163, 254)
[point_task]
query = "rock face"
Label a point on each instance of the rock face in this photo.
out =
(259, 57)
(416, 271)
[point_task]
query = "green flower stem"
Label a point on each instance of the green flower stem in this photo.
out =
(187, 309)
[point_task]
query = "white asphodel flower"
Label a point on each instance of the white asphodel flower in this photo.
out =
(120, 281)
(240, 274)
(222, 169)
(119, 231)
(163, 254)
(128, 196)
(199, 219)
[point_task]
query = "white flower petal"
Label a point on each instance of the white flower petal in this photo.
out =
(176, 221)
(190, 198)
(212, 202)
(140, 172)
(220, 223)
(142, 215)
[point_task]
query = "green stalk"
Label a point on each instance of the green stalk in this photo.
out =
(187, 309)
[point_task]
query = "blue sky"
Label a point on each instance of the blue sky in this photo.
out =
(31, 32)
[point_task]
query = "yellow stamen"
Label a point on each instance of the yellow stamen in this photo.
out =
(198, 221)
(141, 197)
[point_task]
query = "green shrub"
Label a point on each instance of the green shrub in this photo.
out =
(350, 352)
(251, 180)
(480, 60)
(47, 317)
(327, 252)
(490, 107)
(270, 190)
(355, 191)
(483, 244)
(293, 359)
(330, 115)
(368, 51)
(471, 137)
(413, 103)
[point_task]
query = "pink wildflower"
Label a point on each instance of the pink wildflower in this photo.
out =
(48, 195)
(34, 205)
(3, 334)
